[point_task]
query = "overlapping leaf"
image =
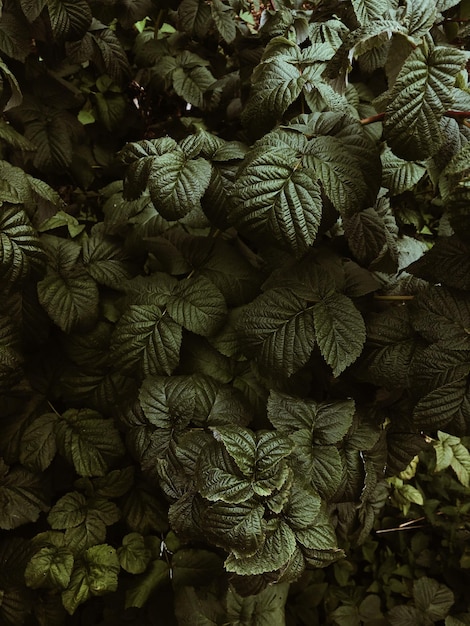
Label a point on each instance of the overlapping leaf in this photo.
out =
(420, 96)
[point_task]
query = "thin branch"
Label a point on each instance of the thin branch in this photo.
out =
(374, 118)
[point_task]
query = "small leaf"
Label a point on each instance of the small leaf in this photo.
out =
(134, 556)
(340, 331)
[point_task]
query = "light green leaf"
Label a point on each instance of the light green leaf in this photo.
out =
(279, 545)
(133, 555)
(147, 338)
(88, 441)
(38, 443)
(20, 249)
(278, 329)
(22, 497)
(198, 305)
(157, 574)
(51, 566)
(94, 575)
(419, 17)
(432, 598)
(450, 451)
(224, 19)
(70, 19)
(418, 99)
(274, 193)
(340, 331)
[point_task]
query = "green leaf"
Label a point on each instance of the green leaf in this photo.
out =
(113, 56)
(20, 249)
(443, 405)
(32, 8)
(51, 566)
(142, 510)
(238, 528)
(177, 183)
(194, 17)
(218, 479)
(147, 338)
(368, 10)
(105, 260)
(224, 19)
(432, 598)
(443, 316)
(447, 262)
(38, 444)
(340, 331)
(278, 329)
(69, 19)
(88, 441)
(22, 497)
(279, 545)
(16, 97)
(157, 574)
(274, 193)
(450, 451)
(14, 36)
(399, 175)
(195, 567)
(134, 556)
(197, 305)
(418, 99)
(266, 608)
(94, 575)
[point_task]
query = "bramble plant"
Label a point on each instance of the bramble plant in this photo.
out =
(234, 273)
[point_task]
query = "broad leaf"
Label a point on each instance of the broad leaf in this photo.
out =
(38, 443)
(445, 404)
(224, 19)
(399, 175)
(134, 556)
(22, 497)
(69, 19)
(432, 598)
(274, 193)
(50, 566)
(147, 338)
(194, 17)
(266, 608)
(88, 441)
(278, 328)
(418, 99)
(95, 574)
(157, 574)
(340, 331)
(451, 452)
(197, 305)
(238, 528)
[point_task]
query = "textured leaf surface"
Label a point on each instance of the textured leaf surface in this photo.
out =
(22, 498)
(88, 441)
(133, 555)
(273, 192)
(340, 331)
(148, 338)
(279, 329)
(38, 443)
(197, 305)
(418, 100)
(69, 19)
(51, 566)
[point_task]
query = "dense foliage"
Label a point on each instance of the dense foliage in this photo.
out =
(234, 313)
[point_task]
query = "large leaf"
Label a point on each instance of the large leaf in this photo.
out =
(38, 443)
(69, 19)
(197, 305)
(88, 441)
(224, 18)
(147, 338)
(20, 249)
(52, 564)
(340, 331)
(94, 575)
(420, 96)
(279, 545)
(133, 555)
(22, 497)
(278, 329)
(194, 17)
(266, 608)
(238, 528)
(445, 404)
(367, 10)
(451, 452)
(399, 175)
(274, 193)
(432, 598)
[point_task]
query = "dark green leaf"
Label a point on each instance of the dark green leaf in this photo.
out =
(38, 443)
(134, 556)
(22, 497)
(69, 20)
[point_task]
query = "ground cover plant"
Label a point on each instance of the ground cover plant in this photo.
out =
(234, 313)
